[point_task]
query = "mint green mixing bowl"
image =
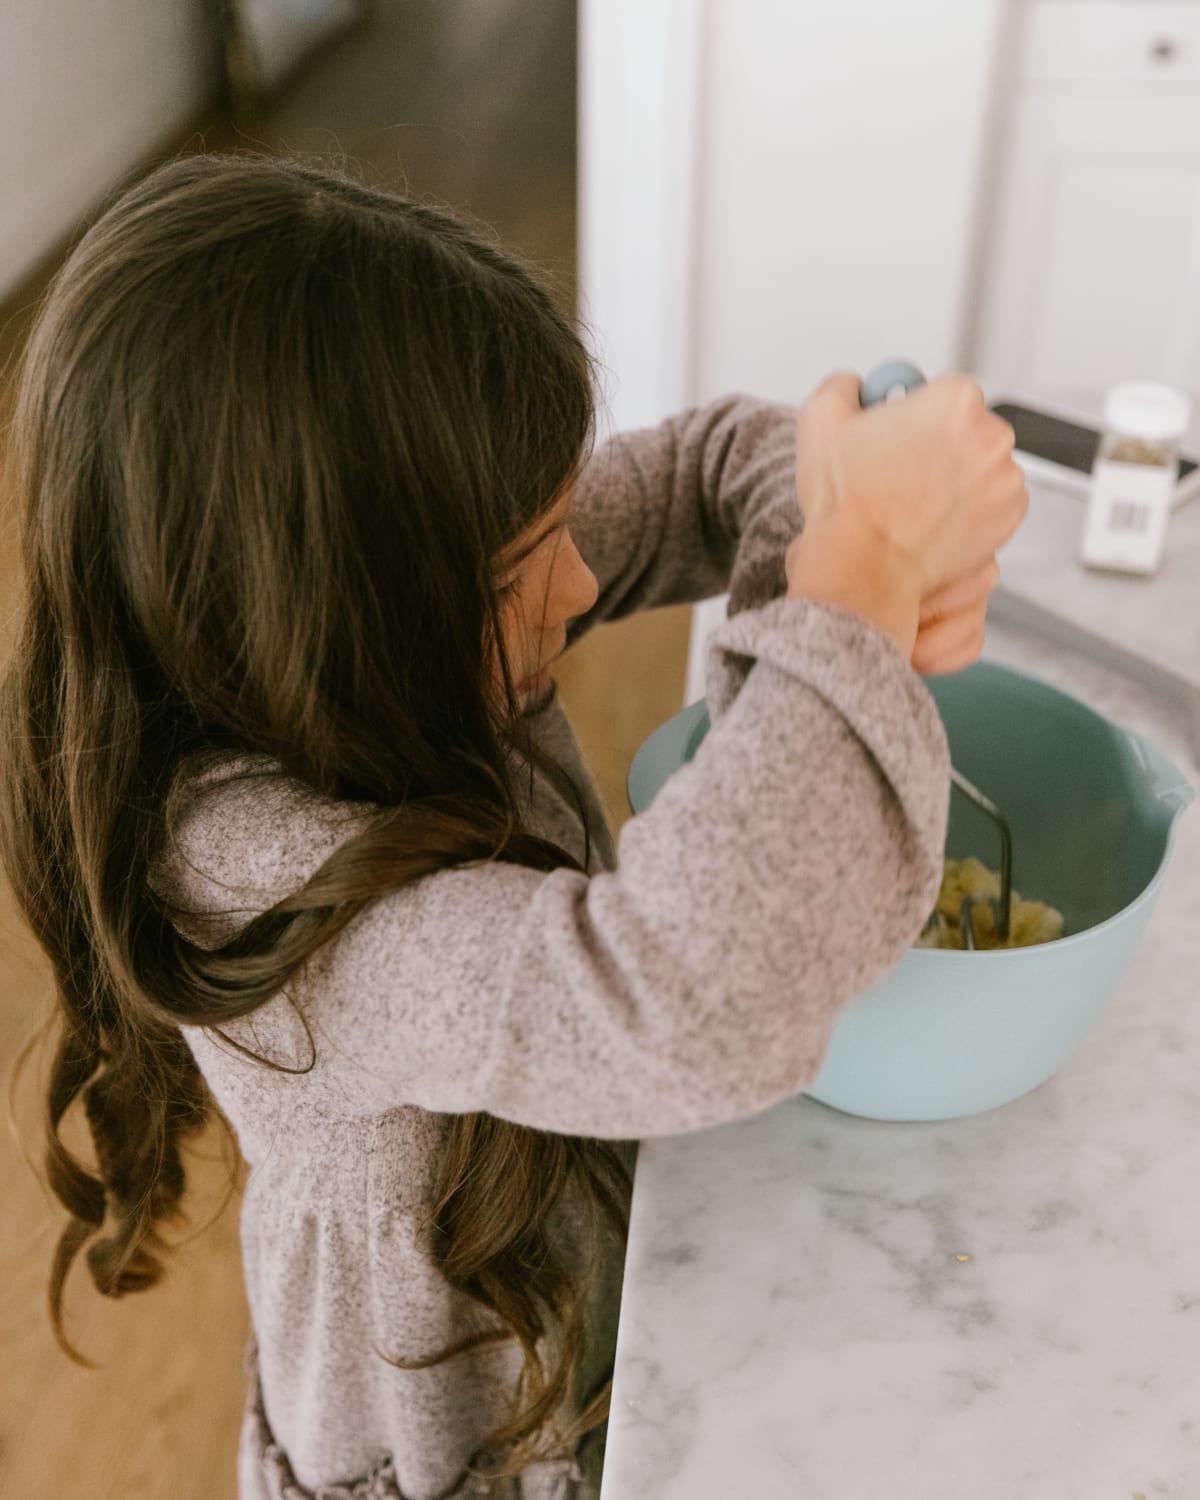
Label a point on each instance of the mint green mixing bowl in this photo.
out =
(1092, 808)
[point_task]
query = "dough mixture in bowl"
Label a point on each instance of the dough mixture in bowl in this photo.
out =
(1031, 922)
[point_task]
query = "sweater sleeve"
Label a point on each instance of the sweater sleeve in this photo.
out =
(674, 513)
(699, 981)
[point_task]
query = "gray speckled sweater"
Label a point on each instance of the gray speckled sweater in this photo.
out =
(692, 977)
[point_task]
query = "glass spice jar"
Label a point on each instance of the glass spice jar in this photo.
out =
(1134, 477)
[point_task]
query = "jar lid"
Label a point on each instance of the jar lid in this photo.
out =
(1155, 412)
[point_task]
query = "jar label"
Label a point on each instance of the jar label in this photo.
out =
(1128, 509)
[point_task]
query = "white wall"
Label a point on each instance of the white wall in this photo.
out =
(639, 82)
(87, 90)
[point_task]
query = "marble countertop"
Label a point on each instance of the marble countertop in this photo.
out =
(1005, 1307)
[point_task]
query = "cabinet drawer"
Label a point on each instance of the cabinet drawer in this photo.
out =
(1111, 41)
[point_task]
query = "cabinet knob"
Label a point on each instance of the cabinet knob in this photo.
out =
(1164, 49)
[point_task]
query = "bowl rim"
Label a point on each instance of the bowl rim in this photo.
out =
(684, 724)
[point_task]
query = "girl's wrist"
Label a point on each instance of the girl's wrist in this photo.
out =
(836, 561)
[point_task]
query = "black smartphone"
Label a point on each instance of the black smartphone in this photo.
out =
(1065, 450)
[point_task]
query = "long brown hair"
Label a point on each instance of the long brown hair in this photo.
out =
(272, 422)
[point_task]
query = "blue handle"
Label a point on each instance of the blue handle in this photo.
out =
(892, 378)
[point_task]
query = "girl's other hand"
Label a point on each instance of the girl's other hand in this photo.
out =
(952, 622)
(831, 405)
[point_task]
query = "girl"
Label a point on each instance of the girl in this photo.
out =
(291, 805)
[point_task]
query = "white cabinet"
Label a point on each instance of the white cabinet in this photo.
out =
(771, 190)
(1091, 248)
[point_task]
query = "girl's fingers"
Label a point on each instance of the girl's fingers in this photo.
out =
(951, 643)
(962, 593)
(836, 398)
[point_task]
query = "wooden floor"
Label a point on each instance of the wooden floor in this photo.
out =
(472, 103)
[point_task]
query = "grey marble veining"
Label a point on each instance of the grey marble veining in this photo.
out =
(1005, 1307)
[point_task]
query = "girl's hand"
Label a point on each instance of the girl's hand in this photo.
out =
(952, 621)
(905, 507)
(930, 478)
